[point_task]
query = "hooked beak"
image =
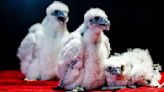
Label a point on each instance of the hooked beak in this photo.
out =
(63, 19)
(105, 23)
(61, 15)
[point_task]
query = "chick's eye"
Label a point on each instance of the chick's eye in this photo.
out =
(97, 18)
(122, 68)
(108, 69)
(56, 11)
(111, 68)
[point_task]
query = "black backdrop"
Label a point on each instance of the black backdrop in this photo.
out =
(134, 24)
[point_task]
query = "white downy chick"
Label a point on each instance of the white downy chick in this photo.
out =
(132, 68)
(39, 50)
(117, 71)
(82, 58)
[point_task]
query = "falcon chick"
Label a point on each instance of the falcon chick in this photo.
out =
(132, 68)
(39, 50)
(84, 52)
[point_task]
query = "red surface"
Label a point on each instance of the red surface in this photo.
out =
(12, 81)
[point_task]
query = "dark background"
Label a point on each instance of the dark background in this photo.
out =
(134, 24)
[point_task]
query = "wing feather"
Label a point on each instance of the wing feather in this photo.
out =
(26, 49)
(71, 50)
(28, 44)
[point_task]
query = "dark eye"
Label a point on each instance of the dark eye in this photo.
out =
(148, 81)
(97, 18)
(109, 69)
(56, 11)
(122, 67)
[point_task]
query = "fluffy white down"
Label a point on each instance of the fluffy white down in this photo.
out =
(57, 5)
(88, 71)
(94, 57)
(39, 50)
(70, 74)
(138, 68)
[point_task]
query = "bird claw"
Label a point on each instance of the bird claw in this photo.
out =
(132, 86)
(26, 79)
(112, 87)
(78, 89)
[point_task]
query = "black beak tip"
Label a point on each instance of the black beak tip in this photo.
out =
(61, 19)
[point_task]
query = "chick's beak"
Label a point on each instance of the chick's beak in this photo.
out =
(61, 16)
(63, 19)
(105, 23)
